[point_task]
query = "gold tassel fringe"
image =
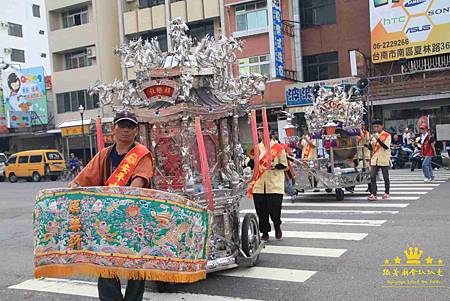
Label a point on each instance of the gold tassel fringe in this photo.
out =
(84, 269)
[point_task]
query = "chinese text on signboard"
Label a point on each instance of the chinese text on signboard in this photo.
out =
(278, 38)
(409, 29)
(24, 94)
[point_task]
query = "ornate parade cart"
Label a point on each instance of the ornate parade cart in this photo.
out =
(188, 106)
(335, 122)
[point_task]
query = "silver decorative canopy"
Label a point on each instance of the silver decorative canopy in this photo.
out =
(334, 106)
(207, 65)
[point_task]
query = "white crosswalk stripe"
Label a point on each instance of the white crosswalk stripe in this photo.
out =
(341, 204)
(304, 251)
(89, 289)
(293, 211)
(324, 235)
(290, 275)
(355, 198)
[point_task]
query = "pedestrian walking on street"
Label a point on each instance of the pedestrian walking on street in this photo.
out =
(427, 152)
(380, 145)
(269, 190)
(97, 173)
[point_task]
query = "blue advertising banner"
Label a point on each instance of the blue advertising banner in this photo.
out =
(300, 94)
(278, 38)
(25, 97)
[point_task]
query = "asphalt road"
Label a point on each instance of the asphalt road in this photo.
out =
(332, 250)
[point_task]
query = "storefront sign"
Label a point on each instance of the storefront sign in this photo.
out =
(409, 29)
(24, 93)
(278, 38)
(301, 94)
(74, 131)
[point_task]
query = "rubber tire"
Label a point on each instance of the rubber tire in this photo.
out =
(53, 178)
(339, 194)
(12, 178)
(249, 218)
(2, 179)
(328, 190)
(36, 177)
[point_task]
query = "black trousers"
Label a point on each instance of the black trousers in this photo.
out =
(109, 289)
(268, 204)
(373, 178)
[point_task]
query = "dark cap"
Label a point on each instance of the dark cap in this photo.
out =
(125, 115)
(377, 122)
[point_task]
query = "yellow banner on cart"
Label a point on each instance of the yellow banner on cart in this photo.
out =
(409, 29)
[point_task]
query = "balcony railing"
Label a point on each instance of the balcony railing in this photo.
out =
(431, 82)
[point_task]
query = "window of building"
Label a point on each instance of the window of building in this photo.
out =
(256, 64)
(17, 55)
(23, 159)
(77, 59)
(199, 30)
(35, 159)
(15, 30)
(75, 17)
(149, 3)
(251, 16)
(41, 32)
(317, 12)
(321, 66)
(161, 35)
(71, 101)
(36, 11)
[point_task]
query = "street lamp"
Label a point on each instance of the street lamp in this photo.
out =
(81, 110)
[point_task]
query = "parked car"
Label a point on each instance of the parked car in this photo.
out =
(2, 166)
(35, 165)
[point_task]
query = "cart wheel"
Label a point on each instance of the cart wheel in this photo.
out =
(328, 190)
(339, 194)
(250, 235)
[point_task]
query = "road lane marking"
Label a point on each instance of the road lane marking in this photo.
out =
(294, 211)
(89, 289)
(330, 221)
(359, 192)
(362, 205)
(304, 251)
(337, 222)
(290, 275)
(364, 188)
(324, 235)
(362, 198)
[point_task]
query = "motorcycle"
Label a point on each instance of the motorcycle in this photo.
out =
(399, 156)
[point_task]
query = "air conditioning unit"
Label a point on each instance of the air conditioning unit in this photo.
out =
(91, 52)
(4, 25)
(7, 50)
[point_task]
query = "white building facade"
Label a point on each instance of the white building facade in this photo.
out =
(24, 34)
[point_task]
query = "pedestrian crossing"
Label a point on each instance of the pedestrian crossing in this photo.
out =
(307, 241)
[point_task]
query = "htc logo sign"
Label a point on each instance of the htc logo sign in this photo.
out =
(394, 20)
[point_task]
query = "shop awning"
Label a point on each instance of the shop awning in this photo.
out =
(73, 123)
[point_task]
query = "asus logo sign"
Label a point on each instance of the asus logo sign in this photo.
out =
(418, 29)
